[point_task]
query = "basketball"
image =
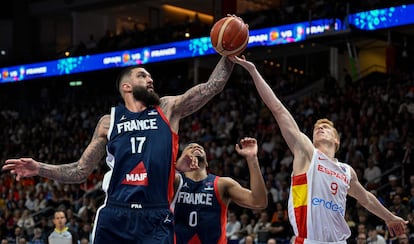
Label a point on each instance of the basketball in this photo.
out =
(229, 36)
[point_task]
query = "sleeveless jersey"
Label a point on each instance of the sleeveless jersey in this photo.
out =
(141, 150)
(317, 201)
(200, 215)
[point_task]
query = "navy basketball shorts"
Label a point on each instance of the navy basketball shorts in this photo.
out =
(118, 223)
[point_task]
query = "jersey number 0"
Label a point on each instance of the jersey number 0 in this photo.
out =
(192, 219)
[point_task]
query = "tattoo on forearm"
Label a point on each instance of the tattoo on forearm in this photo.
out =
(219, 76)
(199, 95)
(63, 173)
(77, 172)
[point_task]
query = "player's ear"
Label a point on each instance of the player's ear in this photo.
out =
(126, 87)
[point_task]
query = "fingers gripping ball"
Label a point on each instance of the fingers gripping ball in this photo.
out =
(230, 36)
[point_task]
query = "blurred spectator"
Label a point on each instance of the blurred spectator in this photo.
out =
(374, 237)
(407, 104)
(403, 239)
(362, 238)
(408, 160)
(282, 176)
(38, 237)
(45, 225)
(287, 159)
(22, 240)
(246, 227)
(86, 231)
(11, 223)
(273, 193)
(249, 240)
(411, 200)
(84, 240)
(26, 222)
(352, 225)
(372, 174)
(362, 229)
(391, 189)
(280, 229)
(261, 229)
(30, 203)
(272, 241)
(280, 207)
(410, 227)
(40, 202)
(17, 235)
(88, 210)
(232, 228)
(398, 207)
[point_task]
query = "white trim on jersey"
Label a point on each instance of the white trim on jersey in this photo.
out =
(111, 125)
(180, 185)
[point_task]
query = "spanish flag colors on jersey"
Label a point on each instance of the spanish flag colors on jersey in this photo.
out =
(317, 201)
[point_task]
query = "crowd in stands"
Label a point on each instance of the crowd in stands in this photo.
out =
(374, 119)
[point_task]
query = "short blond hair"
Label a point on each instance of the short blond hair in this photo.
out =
(331, 124)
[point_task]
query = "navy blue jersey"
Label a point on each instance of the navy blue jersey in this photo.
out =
(141, 150)
(200, 214)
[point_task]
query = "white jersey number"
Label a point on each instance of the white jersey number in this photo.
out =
(192, 219)
(137, 144)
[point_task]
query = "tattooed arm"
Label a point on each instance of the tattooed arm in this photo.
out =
(70, 173)
(177, 107)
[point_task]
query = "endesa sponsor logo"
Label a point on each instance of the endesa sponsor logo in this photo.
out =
(329, 205)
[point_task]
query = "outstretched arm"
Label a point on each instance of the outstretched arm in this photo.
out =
(70, 173)
(177, 107)
(394, 223)
(256, 197)
(298, 143)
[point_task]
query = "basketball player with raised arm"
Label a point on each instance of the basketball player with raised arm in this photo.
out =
(320, 183)
(202, 198)
(140, 138)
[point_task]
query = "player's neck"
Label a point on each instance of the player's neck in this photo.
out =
(197, 175)
(328, 150)
(134, 105)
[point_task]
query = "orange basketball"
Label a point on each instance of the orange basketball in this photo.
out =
(229, 36)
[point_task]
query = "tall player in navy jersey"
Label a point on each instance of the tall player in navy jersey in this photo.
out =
(141, 141)
(200, 204)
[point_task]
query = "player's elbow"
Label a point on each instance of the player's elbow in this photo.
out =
(260, 206)
(263, 204)
(260, 203)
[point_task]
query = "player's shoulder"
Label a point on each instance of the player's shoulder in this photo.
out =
(105, 119)
(224, 185)
(103, 124)
(166, 101)
(226, 182)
